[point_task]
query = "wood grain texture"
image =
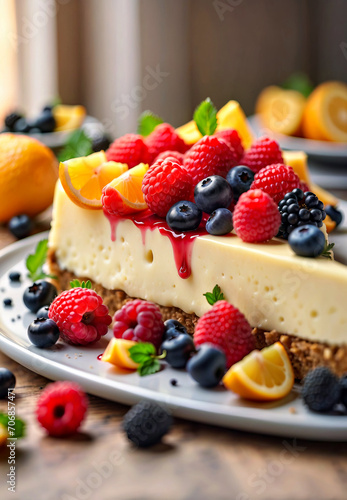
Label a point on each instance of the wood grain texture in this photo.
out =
(194, 462)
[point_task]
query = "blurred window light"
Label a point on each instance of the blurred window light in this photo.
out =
(8, 58)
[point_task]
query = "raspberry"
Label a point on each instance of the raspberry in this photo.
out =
(80, 315)
(232, 138)
(146, 423)
(256, 217)
(164, 138)
(61, 408)
(165, 183)
(276, 180)
(129, 149)
(209, 156)
(171, 154)
(226, 327)
(262, 153)
(139, 320)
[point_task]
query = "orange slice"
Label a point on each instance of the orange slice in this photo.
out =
(117, 353)
(124, 195)
(68, 117)
(325, 115)
(264, 375)
(84, 178)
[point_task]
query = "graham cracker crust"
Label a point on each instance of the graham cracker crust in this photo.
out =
(304, 355)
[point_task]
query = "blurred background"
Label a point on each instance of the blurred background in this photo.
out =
(119, 57)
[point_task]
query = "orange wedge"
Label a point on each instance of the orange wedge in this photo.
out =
(68, 117)
(117, 353)
(264, 375)
(124, 195)
(325, 115)
(84, 178)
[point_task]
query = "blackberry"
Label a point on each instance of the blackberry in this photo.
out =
(299, 209)
(11, 119)
(321, 390)
(146, 423)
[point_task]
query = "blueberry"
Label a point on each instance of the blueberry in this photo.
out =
(307, 241)
(20, 226)
(173, 328)
(334, 214)
(45, 122)
(212, 193)
(21, 126)
(42, 312)
(240, 179)
(184, 216)
(208, 366)
(343, 386)
(7, 302)
(43, 332)
(321, 390)
(39, 294)
(11, 119)
(7, 381)
(220, 222)
(178, 350)
(101, 143)
(14, 276)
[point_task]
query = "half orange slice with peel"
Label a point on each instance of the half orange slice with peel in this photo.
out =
(264, 375)
(123, 195)
(117, 353)
(84, 178)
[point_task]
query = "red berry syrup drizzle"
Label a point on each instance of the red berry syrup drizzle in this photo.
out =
(182, 243)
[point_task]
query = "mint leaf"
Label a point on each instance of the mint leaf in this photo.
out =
(205, 117)
(327, 250)
(147, 123)
(34, 262)
(149, 367)
(77, 284)
(144, 353)
(215, 295)
(18, 427)
(78, 144)
(299, 82)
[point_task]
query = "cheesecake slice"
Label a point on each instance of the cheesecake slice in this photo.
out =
(296, 300)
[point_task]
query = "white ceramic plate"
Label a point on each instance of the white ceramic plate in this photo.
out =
(318, 150)
(287, 418)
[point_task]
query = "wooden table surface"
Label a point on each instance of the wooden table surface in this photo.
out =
(194, 462)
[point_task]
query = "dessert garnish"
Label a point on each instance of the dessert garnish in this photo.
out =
(144, 354)
(43, 332)
(178, 349)
(35, 262)
(208, 366)
(147, 123)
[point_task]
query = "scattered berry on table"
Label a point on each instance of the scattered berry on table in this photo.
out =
(256, 217)
(61, 408)
(209, 156)
(178, 350)
(45, 122)
(334, 214)
(43, 312)
(263, 152)
(7, 381)
(184, 216)
(232, 138)
(321, 390)
(343, 386)
(129, 149)
(165, 183)
(11, 119)
(307, 241)
(173, 328)
(39, 294)
(208, 366)
(276, 180)
(20, 226)
(225, 327)
(174, 382)
(220, 222)
(240, 179)
(14, 276)
(299, 209)
(43, 332)
(81, 316)
(101, 143)
(171, 154)
(146, 423)
(212, 193)
(164, 138)
(7, 302)
(139, 320)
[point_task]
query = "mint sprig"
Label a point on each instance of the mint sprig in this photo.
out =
(215, 295)
(327, 252)
(35, 262)
(77, 284)
(18, 428)
(147, 123)
(78, 144)
(205, 117)
(144, 353)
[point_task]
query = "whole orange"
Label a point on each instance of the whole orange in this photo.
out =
(28, 173)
